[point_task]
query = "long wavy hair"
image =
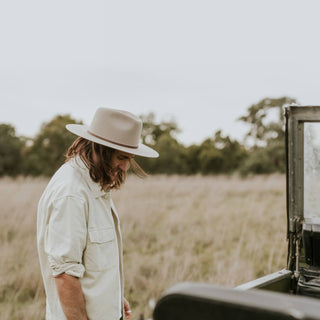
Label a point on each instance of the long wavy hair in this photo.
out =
(97, 159)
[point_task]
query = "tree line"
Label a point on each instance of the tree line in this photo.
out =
(261, 152)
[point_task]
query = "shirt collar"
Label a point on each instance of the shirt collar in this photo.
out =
(95, 187)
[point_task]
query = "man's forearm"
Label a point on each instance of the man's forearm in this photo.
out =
(71, 297)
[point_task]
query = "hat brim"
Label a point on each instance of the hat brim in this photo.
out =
(142, 150)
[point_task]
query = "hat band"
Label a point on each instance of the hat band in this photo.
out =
(119, 144)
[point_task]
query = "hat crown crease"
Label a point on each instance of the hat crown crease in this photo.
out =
(117, 126)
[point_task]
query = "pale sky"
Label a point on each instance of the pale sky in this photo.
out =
(201, 62)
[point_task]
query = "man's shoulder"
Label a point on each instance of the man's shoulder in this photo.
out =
(68, 181)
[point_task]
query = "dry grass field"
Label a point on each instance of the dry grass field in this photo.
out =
(221, 230)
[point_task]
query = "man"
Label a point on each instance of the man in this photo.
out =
(78, 229)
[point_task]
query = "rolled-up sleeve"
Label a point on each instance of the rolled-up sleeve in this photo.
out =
(66, 235)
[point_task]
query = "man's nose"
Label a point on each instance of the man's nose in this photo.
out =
(124, 166)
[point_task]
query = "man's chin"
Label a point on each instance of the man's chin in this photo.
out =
(118, 178)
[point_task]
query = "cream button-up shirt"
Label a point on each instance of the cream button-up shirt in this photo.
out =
(78, 233)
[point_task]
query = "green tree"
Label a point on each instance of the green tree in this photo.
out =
(219, 154)
(233, 153)
(10, 151)
(172, 156)
(161, 137)
(267, 154)
(262, 130)
(152, 131)
(192, 159)
(46, 154)
(210, 158)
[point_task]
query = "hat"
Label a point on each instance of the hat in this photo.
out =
(117, 129)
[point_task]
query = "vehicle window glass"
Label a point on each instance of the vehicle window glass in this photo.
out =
(312, 170)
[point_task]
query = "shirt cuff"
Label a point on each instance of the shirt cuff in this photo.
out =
(72, 268)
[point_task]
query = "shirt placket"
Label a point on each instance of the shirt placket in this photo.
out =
(119, 240)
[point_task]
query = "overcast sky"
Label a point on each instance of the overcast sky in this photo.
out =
(202, 63)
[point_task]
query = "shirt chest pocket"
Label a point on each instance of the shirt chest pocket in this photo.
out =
(101, 251)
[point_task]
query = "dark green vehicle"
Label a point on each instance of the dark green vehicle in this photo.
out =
(291, 293)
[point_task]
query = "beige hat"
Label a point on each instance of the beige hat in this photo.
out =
(117, 129)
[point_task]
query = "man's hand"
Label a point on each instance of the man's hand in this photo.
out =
(127, 310)
(71, 297)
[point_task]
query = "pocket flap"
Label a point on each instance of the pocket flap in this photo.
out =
(101, 235)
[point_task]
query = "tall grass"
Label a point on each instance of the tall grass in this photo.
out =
(221, 230)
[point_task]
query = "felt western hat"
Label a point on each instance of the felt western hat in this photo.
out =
(117, 129)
